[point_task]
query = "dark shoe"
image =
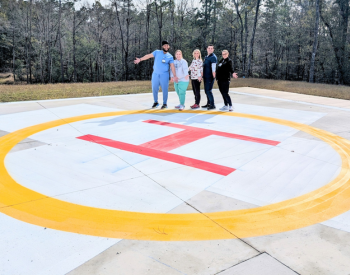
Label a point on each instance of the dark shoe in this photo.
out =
(164, 106)
(211, 107)
(205, 106)
(155, 105)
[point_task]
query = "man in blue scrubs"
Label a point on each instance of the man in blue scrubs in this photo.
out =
(160, 77)
(209, 70)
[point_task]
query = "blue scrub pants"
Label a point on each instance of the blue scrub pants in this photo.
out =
(208, 87)
(161, 80)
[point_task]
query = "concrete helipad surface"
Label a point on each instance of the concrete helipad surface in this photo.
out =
(107, 186)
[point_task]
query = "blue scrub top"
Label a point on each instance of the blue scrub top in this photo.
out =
(207, 70)
(159, 66)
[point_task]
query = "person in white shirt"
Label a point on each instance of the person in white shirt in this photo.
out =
(181, 70)
(196, 69)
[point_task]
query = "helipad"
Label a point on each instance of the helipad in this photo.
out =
(95, 185)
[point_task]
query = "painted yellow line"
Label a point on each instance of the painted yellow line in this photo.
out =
(29, 206)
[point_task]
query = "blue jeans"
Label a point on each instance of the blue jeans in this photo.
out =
(160, 80)
(208, 87)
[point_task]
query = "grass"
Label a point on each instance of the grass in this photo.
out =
(10, 93)
(325, 90)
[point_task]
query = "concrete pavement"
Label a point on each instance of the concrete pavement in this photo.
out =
(93, 186)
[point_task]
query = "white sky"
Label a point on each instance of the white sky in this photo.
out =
(79, 3)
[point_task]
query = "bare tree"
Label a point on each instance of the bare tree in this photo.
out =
(238, 11)
(253, 36)
(125, 6)
(59, 37)
(159, 10)
(51, 41)
(314, 47)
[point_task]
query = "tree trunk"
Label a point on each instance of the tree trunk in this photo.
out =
(159, 16)
(172, 20)
(42, 67)
(27, 50)
(59, 38)
(91, 72)
(314, 47)
(121, 36)
(231, 36)
(214, 25)
(336, 50)
(49, 46)
(253, 36)
(74, 48)
(148, 16)
(128, 22)
(234, 51)
(30, 43)
(245, 42)
(207, 18)
(287, 60)
(115, 64)
(241, 32)
(13, 55)
(344, 12)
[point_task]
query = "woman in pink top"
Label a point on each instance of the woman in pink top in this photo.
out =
(196, 69)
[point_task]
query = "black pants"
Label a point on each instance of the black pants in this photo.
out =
(196, 87)
(224, 86)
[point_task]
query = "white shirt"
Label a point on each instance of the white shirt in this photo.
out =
(196, 68)
(181, 68)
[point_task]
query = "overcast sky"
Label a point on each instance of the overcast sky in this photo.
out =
(107, 2)
(103, 2)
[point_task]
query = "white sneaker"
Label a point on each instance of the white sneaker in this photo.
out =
(181, 107)
(230, 108)
(177, 106)
(224, 108)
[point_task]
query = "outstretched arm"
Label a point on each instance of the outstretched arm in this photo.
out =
(147, 56)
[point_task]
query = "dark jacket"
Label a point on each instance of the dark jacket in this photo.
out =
(224, 69)
(207, 71)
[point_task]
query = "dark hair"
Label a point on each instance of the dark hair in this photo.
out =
(210, 45)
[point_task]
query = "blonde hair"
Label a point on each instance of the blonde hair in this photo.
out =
(200, 55)
(226, 51)
(179, 52)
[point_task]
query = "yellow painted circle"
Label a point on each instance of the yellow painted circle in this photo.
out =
(29, 206)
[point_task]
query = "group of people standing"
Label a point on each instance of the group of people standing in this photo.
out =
(206, 71)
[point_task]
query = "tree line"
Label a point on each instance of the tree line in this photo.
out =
(55, 41)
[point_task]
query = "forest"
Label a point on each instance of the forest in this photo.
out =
(59, 41)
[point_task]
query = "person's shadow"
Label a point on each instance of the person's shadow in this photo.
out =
(181, 118)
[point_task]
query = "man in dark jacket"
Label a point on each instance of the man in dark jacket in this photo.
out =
(223, 76)
(209, 68)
